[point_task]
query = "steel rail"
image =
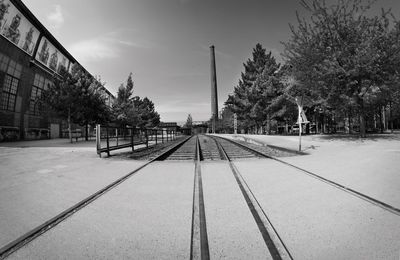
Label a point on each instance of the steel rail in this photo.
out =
(49, 224)
(276, 246)
(344, 188)
(199, 248)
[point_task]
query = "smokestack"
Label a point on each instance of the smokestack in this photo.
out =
(214, 95)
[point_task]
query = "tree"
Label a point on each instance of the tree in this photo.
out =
(132, 110)
(76, 97)
(148, 116)
(267, 88)
(123, 108)
(342, 57)
(225, 124)
(93, 101)
(246, 94)
(189, 121)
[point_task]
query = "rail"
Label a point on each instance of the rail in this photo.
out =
(14, 245)
(337, 185)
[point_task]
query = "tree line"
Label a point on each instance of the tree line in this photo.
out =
(79, 98)
(341, 60)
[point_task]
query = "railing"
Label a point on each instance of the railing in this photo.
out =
(109, 138)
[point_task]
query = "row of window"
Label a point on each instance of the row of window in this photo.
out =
(10, 86)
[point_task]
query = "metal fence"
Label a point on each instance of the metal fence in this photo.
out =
(109, 138)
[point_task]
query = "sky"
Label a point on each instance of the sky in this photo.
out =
(165, 43)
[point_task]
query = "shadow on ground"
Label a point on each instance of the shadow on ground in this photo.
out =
(356, 137)
(60, 142)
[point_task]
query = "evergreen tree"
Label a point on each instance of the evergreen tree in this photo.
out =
(225, 124)
(250, 98)
(189, 121)
(148, 117)
(124, 109)
(132, 110)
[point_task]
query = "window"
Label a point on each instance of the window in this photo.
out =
(34, 106)
(14, 69)
(9, 94)
(3, 62)
(39, 84)
(10, 84)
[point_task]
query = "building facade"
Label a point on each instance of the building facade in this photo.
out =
(30, 57)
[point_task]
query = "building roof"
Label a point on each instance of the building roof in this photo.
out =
(44, 32)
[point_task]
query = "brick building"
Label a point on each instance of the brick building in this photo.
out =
(29, 58)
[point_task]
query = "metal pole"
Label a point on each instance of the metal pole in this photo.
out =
(116, 134)
(162, 135)
(300, 120)
(235, 123)
(300, 136)
(133, 146)
(147, 138)
(98, 140)
(156, 135)
(108, 142)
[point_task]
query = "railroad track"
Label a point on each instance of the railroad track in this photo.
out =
(229, 150)
(339, 186)
(14, 245)
(197, 149)
(205, 148)
(276, 246)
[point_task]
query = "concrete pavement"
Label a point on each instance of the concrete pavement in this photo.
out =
(37, 183)
(146, 217)
(232, 230)
(318, 221)
(149, 215)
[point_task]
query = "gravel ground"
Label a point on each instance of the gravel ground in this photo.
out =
(267, 149)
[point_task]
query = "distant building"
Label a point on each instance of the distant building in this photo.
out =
(29, 57)
(169, 125)
(200, 129)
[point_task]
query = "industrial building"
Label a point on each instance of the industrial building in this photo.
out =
(30, 56)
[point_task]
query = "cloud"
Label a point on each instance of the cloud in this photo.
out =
(277, 54)
(177, 111)
(106, 46)
(182, 106)
(56, 17)
(93, 50)
(185, 1)
(206, 51)
(124, 36)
